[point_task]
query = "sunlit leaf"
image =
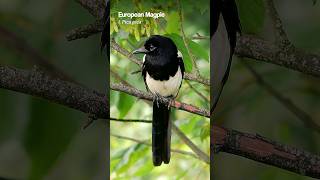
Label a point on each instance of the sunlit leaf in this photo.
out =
(173, 23)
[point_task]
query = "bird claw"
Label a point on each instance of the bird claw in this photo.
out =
(156, 99)
(170, 102)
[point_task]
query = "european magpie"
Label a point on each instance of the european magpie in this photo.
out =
(225, 27)
(162, 71)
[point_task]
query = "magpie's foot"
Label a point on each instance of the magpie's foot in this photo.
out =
(171, 100)
(156, 98)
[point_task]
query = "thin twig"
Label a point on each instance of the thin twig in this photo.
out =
(195, 69)
(130, 120)
(197, 92)
(294, 109)
(145, 142)
(115, 75)
(203, 156)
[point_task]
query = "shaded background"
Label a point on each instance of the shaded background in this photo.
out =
(39, 139)
(247, 107)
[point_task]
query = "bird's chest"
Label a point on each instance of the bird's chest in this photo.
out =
(162, 77)
(165, 88)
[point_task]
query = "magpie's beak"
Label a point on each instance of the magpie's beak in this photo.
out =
(140, 50)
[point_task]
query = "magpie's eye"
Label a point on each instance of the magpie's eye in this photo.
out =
(152, 47)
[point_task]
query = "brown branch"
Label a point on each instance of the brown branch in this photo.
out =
(295, 59)
(148, 144)
(294, 109)
(38, 84)
(203, 156)
(280, 34)
(130, 120)
(148, 96)
(85, 31)
(260, 149)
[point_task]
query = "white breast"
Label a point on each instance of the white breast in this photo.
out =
(165, 88)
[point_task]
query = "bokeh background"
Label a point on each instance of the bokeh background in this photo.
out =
(132, 160)
(247, 107)
(39, 139)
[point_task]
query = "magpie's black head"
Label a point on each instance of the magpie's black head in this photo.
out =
(158, 45)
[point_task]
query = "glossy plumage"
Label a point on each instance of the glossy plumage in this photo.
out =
(163, 72)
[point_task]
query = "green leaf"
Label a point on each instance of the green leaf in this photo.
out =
(198, 51)
(124, 104)
(173, 23)
(182, 48)
(252, 15)
(48, 134)
(205, 131)
(130, 157)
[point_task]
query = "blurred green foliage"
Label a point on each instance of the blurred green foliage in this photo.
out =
(40, 139)
(132, 160)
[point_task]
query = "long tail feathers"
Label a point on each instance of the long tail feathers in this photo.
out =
(161, 134)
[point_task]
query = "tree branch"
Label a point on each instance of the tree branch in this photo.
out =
(195, 69)
(148, 144)
(85, 31)
(295, 59)
(130, 120)
(148, 96)
(294, 109)
(260, 149)
(38, 84)
(203, 156)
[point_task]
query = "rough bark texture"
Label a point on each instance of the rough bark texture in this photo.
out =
(36, 83)
(290, 57)
(260, 149)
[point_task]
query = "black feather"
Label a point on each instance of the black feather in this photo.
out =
(161, 133)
